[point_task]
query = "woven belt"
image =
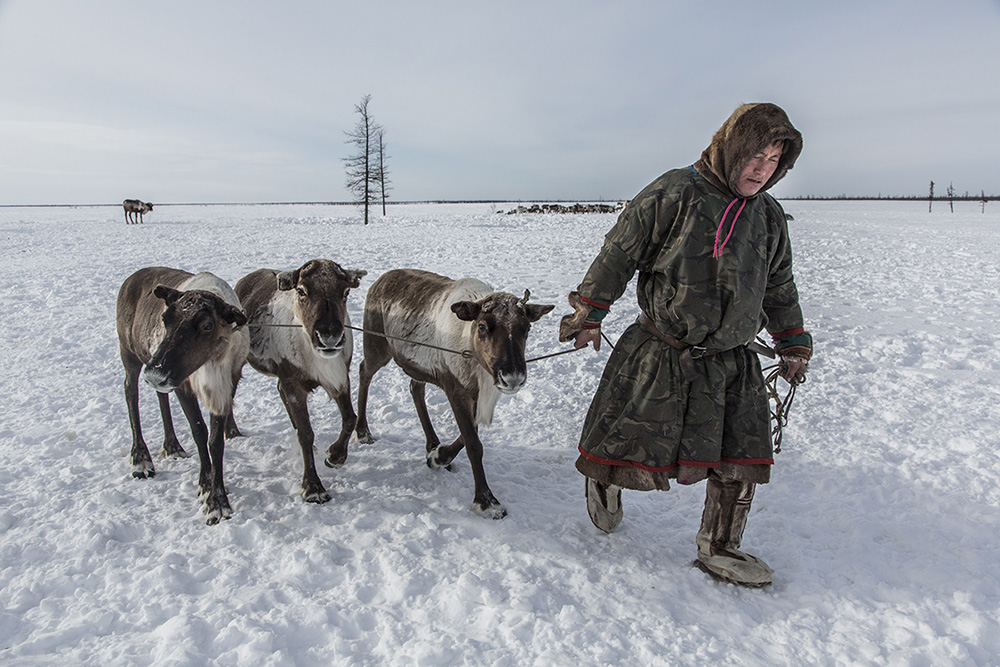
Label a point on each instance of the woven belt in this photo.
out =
(691, 352)
(688, 352)
(697, 352)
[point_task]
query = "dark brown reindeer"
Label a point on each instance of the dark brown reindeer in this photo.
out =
(135, 207)
(315, 353)
(185, 328)
(421, 307)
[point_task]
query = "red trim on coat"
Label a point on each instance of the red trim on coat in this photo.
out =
(682, 462)
(748, 462)
(594, 303)
(790, 332)
(619, 462)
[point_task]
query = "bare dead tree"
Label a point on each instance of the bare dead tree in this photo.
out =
(380, 166)
(951, 197)
(362, 174)
(930, 199)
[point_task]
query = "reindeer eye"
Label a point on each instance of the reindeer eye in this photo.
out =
(301, 292)
(208, 326)
(482, 329)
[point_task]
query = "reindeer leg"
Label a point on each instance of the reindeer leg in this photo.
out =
(336, 455)
(171, 445)
(418, 391)
(295, 398)
(189, 404)
(437, 456)
(370, 365)
(232, 430)
(217, 503)
(139, 458)
(484, 503)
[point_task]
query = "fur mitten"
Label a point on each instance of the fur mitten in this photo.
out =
(571, 325)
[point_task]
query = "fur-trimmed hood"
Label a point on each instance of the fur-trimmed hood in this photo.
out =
(750, 129)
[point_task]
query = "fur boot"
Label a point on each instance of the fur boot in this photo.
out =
(727, 504)
(604, 504)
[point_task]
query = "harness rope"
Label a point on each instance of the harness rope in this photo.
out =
(465, 354)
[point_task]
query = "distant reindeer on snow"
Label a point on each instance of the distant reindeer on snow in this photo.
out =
(133, 207)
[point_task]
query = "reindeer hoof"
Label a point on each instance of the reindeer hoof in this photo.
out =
(318, 497)
(335, 458)
(173, 451)
(143, 470)
(494, 512)
(217, 510)
(437, 459)
(214, 518)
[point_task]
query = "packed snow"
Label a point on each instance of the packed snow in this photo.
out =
(881, 521)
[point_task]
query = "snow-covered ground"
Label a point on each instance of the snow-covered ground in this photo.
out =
(882, 520)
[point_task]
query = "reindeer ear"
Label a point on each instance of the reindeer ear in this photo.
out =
(466, 310)
(232, 314)
(168, 294)
(287, 280)
(354, 277)
(535, 311)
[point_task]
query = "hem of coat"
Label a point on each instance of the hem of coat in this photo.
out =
(640, 477)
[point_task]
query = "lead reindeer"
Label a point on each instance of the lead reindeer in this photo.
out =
(186, 329)
(298, 333)
(425, 309)
(134, 207)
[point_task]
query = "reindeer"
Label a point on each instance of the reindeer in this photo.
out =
(419, 307)
(297, 322)
(133, 207)
(186, 329)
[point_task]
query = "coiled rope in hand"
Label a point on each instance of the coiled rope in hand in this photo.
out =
(779, 413)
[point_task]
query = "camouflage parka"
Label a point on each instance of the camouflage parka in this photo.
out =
(714, 269)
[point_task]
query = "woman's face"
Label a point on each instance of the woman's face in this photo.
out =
(759, 170)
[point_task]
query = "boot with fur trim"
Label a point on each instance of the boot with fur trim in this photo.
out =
(727, 504)
(604, 504)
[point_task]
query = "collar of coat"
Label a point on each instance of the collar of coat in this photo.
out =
(750, 129)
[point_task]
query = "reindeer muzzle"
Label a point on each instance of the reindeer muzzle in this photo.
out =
(329, 345)
(158, 380)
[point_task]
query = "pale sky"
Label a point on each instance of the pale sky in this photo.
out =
(225, 101)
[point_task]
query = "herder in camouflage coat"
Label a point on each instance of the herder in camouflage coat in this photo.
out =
(682, 396)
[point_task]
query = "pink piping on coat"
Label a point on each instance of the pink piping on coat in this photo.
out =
(717, 250)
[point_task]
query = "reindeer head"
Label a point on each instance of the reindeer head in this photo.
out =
(198, 327)
(500, 324)
(321, 288)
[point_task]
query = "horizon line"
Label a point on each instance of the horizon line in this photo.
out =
(974, 198)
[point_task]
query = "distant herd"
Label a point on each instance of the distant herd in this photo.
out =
(191, 334)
